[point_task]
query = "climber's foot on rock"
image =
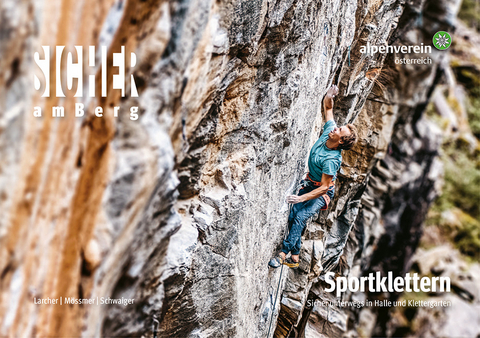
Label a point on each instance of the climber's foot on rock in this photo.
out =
(278, 260)
(291, 263)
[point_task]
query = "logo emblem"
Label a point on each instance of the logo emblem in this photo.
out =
(442, 40)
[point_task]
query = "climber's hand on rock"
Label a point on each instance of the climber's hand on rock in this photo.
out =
(332, 92)
(294, 199)
(328, 102)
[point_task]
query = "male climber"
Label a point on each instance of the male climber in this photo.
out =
(318, 187)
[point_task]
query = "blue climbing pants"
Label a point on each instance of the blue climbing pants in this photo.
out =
(299, 214)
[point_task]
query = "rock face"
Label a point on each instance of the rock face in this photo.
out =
(443, 261)
(182, 209)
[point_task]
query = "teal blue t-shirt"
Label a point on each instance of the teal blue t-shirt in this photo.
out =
(323, 160)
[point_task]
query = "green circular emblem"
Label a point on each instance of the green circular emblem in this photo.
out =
(442, 40)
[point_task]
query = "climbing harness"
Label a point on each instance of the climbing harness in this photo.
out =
(318, 184)
(325, 196)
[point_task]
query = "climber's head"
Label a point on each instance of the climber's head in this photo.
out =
(344, 137)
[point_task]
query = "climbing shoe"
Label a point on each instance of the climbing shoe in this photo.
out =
(291, 263)
(276, 261)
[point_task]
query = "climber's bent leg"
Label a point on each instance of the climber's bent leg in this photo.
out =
(303, 211)
(303, 215)
(288, 243)
(299, 214)
(294, 240)
(306, 188)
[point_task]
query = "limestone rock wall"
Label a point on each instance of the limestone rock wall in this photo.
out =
(183, 208)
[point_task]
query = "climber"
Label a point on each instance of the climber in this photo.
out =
(318, 186)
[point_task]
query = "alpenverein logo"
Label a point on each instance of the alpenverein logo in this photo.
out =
(442, 40)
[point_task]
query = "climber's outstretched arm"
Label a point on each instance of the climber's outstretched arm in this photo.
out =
(326, 180)
(328, 103)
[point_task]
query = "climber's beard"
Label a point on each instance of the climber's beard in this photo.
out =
(331, 135)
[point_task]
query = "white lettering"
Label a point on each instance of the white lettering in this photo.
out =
(133, 113)
(37, 111)
(98, 112)
(44, 66)
(58, 112)
(75, 70)
(79, 112)
(425, 284)
(329, 281)
(377, 283)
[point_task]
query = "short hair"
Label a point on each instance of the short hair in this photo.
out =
(350, 140)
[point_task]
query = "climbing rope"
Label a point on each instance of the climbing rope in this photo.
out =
(155, 324)
(349, 47)
(281, 273)
(275, 303)
(325, 33)
(419, 22)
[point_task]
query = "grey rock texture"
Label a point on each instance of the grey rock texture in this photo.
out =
(183, 208)
(444, 261)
